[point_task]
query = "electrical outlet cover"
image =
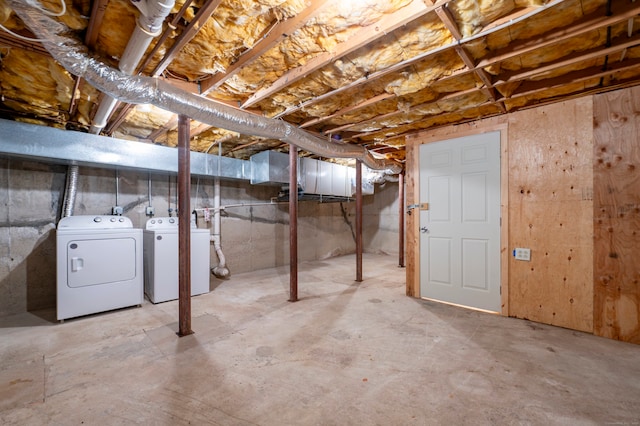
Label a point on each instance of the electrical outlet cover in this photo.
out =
(522, 254)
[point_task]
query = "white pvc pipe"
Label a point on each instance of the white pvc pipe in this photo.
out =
(220, 271)
(148, 26)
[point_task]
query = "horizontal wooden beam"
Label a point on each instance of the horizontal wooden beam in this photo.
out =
(617, 45)
(196, 24)
(276, 34)
(343, 111)
(531, 87)
(442, 97)
(365, 36)
(582, 26)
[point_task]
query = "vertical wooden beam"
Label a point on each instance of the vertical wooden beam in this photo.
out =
(401, 220)
(358, 221)
(412, 235)
(293, 223)
(616, 215)
(505, 253)
(184, 228)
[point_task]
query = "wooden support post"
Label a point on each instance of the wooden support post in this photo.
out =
(293, 223)
(184, 228)
(401, 220)
(358, 221)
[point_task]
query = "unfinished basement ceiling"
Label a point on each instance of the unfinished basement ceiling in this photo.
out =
(365, 72)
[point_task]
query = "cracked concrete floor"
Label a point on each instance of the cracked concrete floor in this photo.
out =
(346, 353)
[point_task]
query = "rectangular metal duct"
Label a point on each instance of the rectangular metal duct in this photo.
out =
(69, 147)
(324, 178)
(314, 176)
(270, 168)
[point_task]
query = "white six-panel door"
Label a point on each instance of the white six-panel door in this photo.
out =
(460, 230)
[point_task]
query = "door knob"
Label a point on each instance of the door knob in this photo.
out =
(424, 229)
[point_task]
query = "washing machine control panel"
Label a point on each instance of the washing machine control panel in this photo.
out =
(159, 223)
(94, 222)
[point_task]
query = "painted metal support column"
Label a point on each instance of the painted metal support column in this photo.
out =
(184, 227)
(293, 223)
(401, 220)
(358, 221)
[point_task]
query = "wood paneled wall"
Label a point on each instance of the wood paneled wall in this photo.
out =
(617, 215)
(573, 197)
(551, 212)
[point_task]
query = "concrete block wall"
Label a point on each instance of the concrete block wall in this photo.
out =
(253, 237)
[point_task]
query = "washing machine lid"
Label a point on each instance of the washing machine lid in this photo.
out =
(94, 222)
(164, 224)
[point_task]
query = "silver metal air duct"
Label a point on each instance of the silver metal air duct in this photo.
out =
(70, 190)
(72, 55)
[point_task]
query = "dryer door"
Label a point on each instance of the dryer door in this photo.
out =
(100, 261)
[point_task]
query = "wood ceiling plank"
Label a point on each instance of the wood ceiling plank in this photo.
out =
(119, 119)
(8, 40)
(530, 87)
(589, 23)
(90, 38)
(246, 145)
(442, 97)
(187, 35)
(617, 45)
(171, 124)
(394, 132)
(277, 34)
(343, 111)
(449, 21)
(365, 36)
(404, 64)
(165, 34)
(583, 26)
(97, 14)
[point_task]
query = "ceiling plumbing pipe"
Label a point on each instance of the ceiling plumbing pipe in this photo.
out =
(73, 56)
(148, 25)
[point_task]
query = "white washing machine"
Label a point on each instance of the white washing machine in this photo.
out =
(99, 265)
(161, 259)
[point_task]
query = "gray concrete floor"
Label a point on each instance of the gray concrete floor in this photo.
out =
(346, 353)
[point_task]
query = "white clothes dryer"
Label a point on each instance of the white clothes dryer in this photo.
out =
(99, 265)
(161, 259)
